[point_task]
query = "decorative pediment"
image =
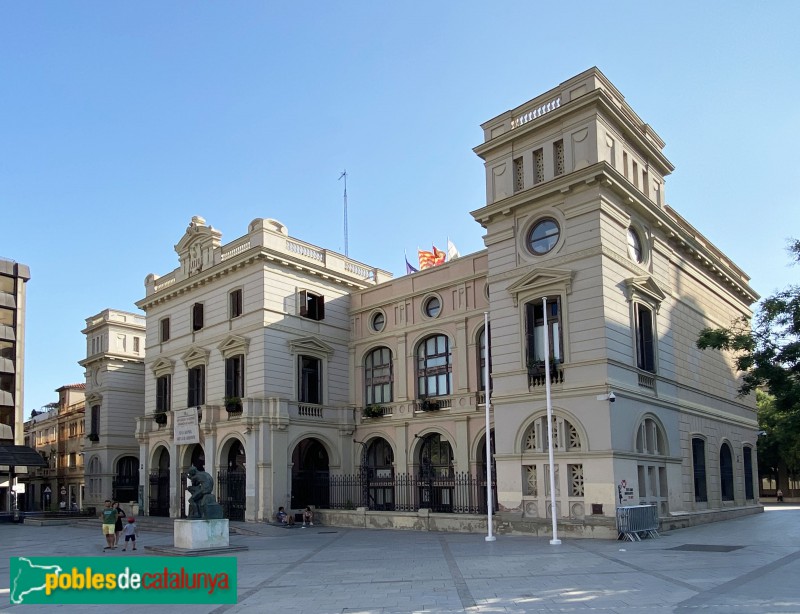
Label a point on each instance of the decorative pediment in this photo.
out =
(233, 345)
(542, 282)
(310, 345)
(196, 248)
(162, 366)
(645, 288)
(195, 356)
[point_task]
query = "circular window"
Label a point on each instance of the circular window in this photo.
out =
(432, 307)
(378, 322)
(634, 246)
(544, 236)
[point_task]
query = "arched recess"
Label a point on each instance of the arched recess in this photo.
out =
(232, 478)
(377, 473)
(159, 482)
(125, 486)
(310, 473)
(652, 447)
(434, 456)
(726, 472)
(192, 456)
(569, 447)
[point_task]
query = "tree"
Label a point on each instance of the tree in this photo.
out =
(768, 355)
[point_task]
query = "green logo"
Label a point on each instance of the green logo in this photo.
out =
(92, 579)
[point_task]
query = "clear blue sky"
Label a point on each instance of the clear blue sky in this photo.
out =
(120, 121)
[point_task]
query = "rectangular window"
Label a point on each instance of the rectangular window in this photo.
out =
(164, 393)
(197, 386)
(699, 464)
(635, 174)
(310, 380)
(645, 349)
(558, 157)
(164, 330)
(519, 174)
(234, 376)
(535, 331)
(197, 316)
(95, 419)
(576, 488)
(625, 164)
(645, 186)
(748, 473)
(538, 166)
(312, 306)
(136, 345)
(378, 376)
(235, 303)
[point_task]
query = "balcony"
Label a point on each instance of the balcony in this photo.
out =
(537, 376)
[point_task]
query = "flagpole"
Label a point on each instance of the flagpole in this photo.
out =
(553, 509)
(488, 402)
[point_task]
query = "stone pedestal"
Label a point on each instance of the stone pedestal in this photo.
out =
(201, 534)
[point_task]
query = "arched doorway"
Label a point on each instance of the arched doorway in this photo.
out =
(159, 483)
(125, 486)
(482, 472)
(435, 474)
(192, 457)
(310, 474)
(231, 480)
(377, 464)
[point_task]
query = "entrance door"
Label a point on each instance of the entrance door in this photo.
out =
(310, 475)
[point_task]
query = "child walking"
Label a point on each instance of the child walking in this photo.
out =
(130, 534)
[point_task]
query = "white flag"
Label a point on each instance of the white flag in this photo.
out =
(452, 252)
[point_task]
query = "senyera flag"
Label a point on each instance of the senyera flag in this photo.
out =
(426, 259)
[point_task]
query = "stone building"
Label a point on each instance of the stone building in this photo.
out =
(114, 369)
(319, 380)
(56, 433)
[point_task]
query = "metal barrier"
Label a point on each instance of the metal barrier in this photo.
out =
(635, 522)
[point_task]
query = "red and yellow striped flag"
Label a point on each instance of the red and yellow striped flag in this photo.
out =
(438, 256)
(426, 259)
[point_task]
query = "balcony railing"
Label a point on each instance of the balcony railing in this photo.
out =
(537, 377)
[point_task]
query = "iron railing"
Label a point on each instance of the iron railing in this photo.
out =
(459, 493)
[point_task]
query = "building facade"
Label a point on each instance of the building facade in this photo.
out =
(319, 380)
(114, 370)
(13, 279)
(57, 433)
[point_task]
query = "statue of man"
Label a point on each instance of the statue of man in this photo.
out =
(201, 488)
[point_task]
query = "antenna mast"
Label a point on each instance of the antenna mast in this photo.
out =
(344, 174)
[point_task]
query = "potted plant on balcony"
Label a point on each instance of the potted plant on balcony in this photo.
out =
(160, 417)
(373, 411)
(233, 404)
(429, 404)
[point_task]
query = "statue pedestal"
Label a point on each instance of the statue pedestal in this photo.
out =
(201, 534)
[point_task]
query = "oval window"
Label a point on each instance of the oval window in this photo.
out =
(378, 322)
(432, 307)
(543, 236)
(634, 246)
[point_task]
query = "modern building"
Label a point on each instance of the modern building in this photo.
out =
(56, 433)
(14, 457)
(322, 381)
(114, 369)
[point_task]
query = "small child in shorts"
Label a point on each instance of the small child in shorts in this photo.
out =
(130, 533)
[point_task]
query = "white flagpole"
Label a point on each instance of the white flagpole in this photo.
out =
(488, 401)
(553, 509)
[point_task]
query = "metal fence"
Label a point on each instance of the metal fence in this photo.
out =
(460, 493)
(635, 522)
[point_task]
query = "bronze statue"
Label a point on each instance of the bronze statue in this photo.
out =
(202, 503)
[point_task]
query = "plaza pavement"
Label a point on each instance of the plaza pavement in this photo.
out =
(324, 570)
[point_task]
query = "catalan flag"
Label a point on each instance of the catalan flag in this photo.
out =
(438, 256)
(426, 259)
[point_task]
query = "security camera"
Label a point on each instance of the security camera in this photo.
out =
(611, 397)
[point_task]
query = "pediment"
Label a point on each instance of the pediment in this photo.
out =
(310, 344)
(195, 356)
(234, 344)
(542, 281)
(162, 366)
(196, 248)
(644, 286)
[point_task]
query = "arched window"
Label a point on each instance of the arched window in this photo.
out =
(726, 472)
(435, 457)
(652, 472)
(378, 376)
(650, 439)
(747, 453)
(565, 436)
(434, 369)
(699, 465)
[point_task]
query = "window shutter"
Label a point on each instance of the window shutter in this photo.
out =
(304, 303)
(321, 308)
(229, 376)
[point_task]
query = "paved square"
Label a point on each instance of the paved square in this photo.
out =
(328, 569)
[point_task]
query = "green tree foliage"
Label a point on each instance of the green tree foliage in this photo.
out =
(768, 356)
